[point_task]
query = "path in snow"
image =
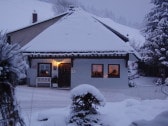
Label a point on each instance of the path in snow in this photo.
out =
(34, 99)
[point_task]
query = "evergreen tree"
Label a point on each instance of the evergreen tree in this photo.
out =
(156, 34)
(11, 62)
(85, 101)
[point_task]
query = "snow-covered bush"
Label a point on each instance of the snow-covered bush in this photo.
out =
(132, 70)
(166, 81)
(85, 101)
(158, 81)
(11, 63)
(131, 83)
(11, 60)
(160, 120)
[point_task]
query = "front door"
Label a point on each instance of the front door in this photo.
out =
(64, 75)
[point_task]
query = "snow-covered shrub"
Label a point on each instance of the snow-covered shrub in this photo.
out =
(11, 63)
(85, 101)
(160, 120)
(131, 83)
(132, 70)
(11, 60)
(166, 81)
(158, 81)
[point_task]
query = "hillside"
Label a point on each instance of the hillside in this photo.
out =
(15, 14)
(18, 13)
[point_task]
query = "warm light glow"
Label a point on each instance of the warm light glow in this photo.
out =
(56, 63)
(113, 70)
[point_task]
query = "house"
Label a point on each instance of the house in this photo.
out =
(75, 48)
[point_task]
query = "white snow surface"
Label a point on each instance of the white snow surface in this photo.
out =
(123, 106)
(159, 120)
(133, 34)
(78, 31)
(16, 14)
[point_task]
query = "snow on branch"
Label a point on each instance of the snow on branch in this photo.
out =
(11, 59)
(85, 89)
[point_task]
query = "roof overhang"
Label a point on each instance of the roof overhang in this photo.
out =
(88, 54)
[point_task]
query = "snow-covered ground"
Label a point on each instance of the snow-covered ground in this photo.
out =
(145, 101)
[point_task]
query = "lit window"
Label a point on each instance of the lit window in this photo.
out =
(114, 70)
(44, 69)
(97, 70)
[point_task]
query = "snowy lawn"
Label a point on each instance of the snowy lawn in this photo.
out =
(50, 107)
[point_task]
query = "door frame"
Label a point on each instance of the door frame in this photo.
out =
(62, 78)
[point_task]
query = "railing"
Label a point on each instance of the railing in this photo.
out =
(43, 80)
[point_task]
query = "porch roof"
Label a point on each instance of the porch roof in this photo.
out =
(89, 54)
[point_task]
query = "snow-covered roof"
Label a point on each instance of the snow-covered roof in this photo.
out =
(78, 31)
(18, 13)
(133, 34)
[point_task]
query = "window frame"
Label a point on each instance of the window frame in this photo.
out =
(92, 75)
(38, 70)
(114, 76)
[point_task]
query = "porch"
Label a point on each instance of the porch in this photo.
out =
(49, 73)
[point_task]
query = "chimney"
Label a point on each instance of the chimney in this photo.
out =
(34, 17)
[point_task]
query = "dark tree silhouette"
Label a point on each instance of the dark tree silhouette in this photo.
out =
(155, 51)
(11, 62)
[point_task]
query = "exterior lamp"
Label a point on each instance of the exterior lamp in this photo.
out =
(55, 64)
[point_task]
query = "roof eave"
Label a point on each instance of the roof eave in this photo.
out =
(34, 24)
(124, 38)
